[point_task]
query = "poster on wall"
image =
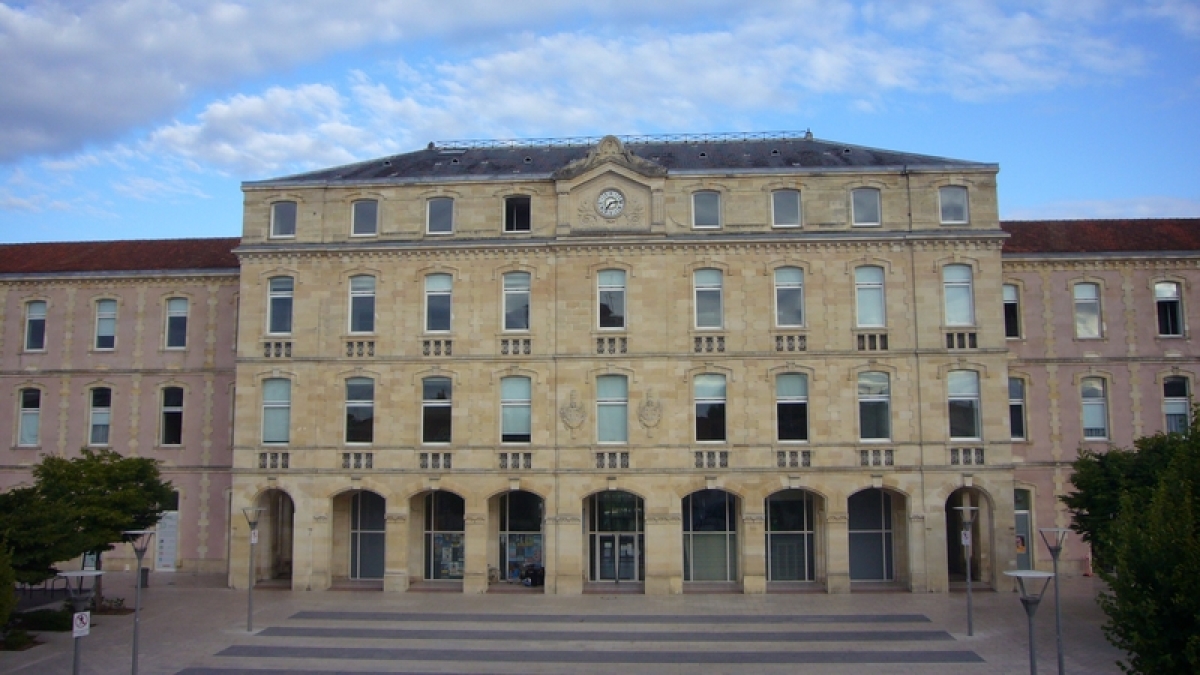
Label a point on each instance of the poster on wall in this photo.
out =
(449, 556)
(523, 549)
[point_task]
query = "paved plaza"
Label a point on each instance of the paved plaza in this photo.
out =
(193, 625)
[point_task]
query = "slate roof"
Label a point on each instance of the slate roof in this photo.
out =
(1102, 236)
(538, 159)
(119, 256)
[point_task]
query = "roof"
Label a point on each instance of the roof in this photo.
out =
(1102, 236)
(540, 158)
(119, 256)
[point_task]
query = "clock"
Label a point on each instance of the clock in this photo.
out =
(610, 203)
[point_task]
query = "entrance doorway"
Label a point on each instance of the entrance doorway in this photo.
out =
(791, 536)
(616, 536)
(520, 535)
(445, 536)
(956, 563)
(367, 536)
(275, 526)
(710, 549)
(872, 536)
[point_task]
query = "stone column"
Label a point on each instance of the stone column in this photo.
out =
(754, 553)
(395, 574)
(476, 546)
(566, 562)
(319, 548)
(837, 552)
(664, 552)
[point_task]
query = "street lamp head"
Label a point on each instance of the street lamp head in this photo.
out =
(968, 514)
(1054, 537)
(1028, 582)
(252, 514)
(139, 540)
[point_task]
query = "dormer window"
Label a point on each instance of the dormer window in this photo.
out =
(517, 214)
(283, 219)
(365, 215)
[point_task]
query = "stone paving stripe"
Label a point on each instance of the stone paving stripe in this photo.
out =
(532, 635)
(597, 657)
(724, 619)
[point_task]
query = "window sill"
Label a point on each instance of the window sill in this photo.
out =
(439, 234)
(1171, 337)
(874, 441)
(866, 225)
(372, 235)
(33, 351)
(796, 226)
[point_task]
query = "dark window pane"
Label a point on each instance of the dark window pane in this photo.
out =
(710, 421)
(516, 214)
(172, 431)
(436, 424)
(177, 331)
(102, 397)
(172, 397)
(963, 420)
(362, 314)
(436, 389)
(612, 309)
(360, 423)
(441, 216)
(708, 511)
(874, 419)
(35, 337)
(1016, 420)
(283, 219)
(448, 512)
(31, 398)
(793, 421)
(281, 315)
(524, 512)
(438, 308)
(1175, 387)
(1168, 318)
(516, 311)
(1012, 320)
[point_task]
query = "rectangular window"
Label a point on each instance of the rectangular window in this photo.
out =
(708, 289)
(706, 209)
(789, 297)
(1087, 310)
(874, 406)
(959, 296)
(865, 204)
(868, 296)
(791, 407)
(964, 404)
(438, 288)
(106, 324)
(277, 410)
(517, 214)
(612, 409)
(100, 417)
(31, 417)
(785, 208)
(1012, 311)
(283, 219)
(365, 218)
(362, 304)
(1176, 404)
(1170, 315)
(1095, 409)
(360, 410)
(710, 407)
(172, 416)
(177, 319)
(439, 217)
(280, 305)
(516, 300)
(515, 410)
(1016, 408)
(611, 290)
(435, 409)
(953, 202)
(35, 326)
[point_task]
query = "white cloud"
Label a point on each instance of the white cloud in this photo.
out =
(1138, 207)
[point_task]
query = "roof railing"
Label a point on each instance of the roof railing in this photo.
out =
(576, 141)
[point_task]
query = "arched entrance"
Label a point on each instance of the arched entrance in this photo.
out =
(876, 524)
(792, 536)
(710, 546)
(956, 563)
(275, 527)
(444, 515)
(616, 537)
(518, 516)
(358, 535)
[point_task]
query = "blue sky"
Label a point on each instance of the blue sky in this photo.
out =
(127, 119)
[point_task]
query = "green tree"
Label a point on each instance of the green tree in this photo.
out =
(37, 533)
(8, 594)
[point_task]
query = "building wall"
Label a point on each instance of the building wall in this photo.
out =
(136, 369)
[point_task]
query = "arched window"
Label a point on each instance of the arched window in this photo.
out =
(516, 408)
(1167, 300)
(963, 401)
(279, 305)
(360, 410)
(791, 406)
(610, 288)
(277, 410)
(28, 433)
(708, 293)
(435, 409)
(177, 319)
(959, 295)
(516, 300)
(789, 297)
(438, 299)
(362, 304)
(99, 416)
(172, 416)
(35, 326)
(612, 409)
(709, 396)
(868, 297)
(874, 406)
(1176, 404)
(1095, 408)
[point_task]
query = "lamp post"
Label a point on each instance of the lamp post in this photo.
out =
(1055, 537)
(140, 541)
(81, 595)
(968, 519)
(1031, 595)
(252, 515)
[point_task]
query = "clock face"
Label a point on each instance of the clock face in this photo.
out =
(610, 203)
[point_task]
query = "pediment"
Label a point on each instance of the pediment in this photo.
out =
(610, 151)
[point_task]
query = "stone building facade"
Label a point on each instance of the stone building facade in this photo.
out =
(755, 363)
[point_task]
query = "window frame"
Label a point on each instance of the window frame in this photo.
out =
(1177, 302)
(173, 410)
(696, 196)
(26, 413)
(1076, 303)
(722, 427)
(799, 209)
(870, 399)
(429, 405)
(949, 286)
(514, 293)
(354, 217)
(360, 300)
(513, 404)
(173, 319)
(429, 216)
(439, 294)
(973, 399)
(618, 404)
(35, 323)
(1100, 402)
(274, 295)
(514, 207)
(798, 400)
(275, 406)
(106, 319)
(708, 287)
(367, 426)
(95, 410)
(1173, 403)
(1016, 409)
(784, 286)
(966, 204)
(854, 207)
(273, 232)
(861, 286)
(601, 289)
(1012, 312)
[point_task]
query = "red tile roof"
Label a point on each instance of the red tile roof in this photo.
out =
(119, 256)
(1102, 236)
